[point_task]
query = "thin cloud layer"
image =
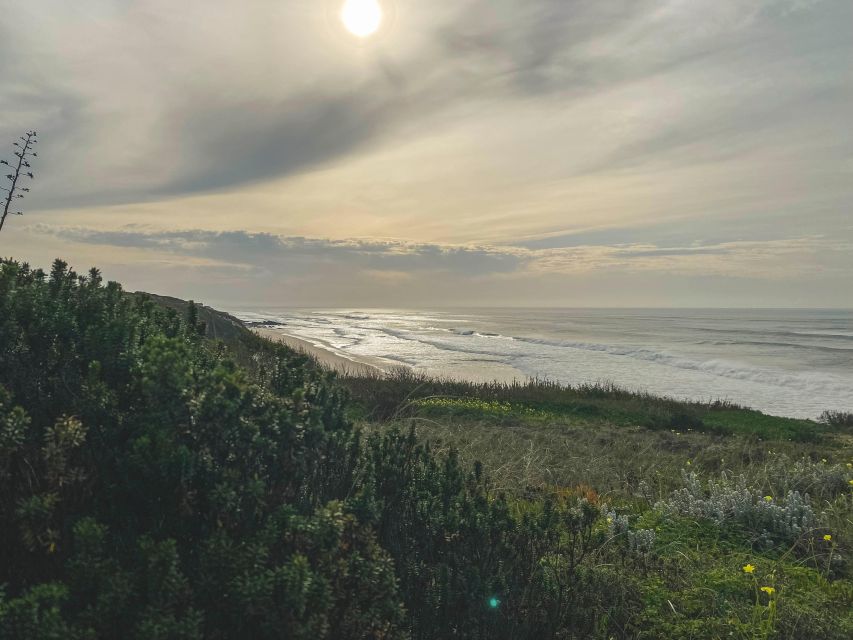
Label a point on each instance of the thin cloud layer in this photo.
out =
(631, 135)
(265, 253)
(271, 254)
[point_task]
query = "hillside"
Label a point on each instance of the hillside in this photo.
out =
(168, 474)
(218, 325)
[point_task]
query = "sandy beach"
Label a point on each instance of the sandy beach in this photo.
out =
(324, 356)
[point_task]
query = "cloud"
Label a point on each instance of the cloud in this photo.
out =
(134, 107)
(269, 254)
(677, 251)
(266, 252)
(501, 139)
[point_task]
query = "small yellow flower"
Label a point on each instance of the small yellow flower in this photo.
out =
(823, 460)
(609, 520)
(768, 498)
(850, 482)
(768, 590)
(688, 463)
(748, 568)
(827, 537)
(850, 465)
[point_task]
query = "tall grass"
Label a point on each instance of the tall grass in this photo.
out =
(403, 392)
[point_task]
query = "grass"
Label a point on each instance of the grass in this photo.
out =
(630, 450)
(405, 393)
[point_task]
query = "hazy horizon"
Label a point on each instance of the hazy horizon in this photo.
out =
(556, 308)
(621, 154)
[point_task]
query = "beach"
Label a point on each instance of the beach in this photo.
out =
(793, 363)
(324, 356)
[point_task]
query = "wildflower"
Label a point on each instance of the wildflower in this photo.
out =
(850, 465)
(850, 482)
(748, 568)
(688, 463)
(768, 590)
(827, 538)
(768, 498)
(823, 460)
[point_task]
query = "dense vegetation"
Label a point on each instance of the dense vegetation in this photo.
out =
(158, 483)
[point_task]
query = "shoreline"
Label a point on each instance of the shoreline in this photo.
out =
(324, 356)
(745, 384)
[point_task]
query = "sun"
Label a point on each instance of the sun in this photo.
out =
(362, 18)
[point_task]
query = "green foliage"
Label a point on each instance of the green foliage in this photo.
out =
(838, 419)
(763, 426)
(701, 589)
(405, 393)
(36, 615)
(457, 548)
(161, 484)
(152, 490)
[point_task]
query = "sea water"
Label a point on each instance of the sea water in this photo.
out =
(784, 362)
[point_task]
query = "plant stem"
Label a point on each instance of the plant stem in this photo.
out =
(11, 193)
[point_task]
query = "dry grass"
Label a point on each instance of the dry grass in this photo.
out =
(536, 453)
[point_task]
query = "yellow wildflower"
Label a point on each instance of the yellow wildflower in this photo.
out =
(768, 590)
(688, 463)
(827, 537)
(748, 568)
(768, 498)
(823, 460)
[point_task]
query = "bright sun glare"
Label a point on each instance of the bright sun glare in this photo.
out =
(362, 18)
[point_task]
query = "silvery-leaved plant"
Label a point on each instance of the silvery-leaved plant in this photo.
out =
(639, 542)
(730, 501)
(821, 480)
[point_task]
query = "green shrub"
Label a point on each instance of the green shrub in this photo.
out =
(837, 418)
(158, 484)
(152, 489)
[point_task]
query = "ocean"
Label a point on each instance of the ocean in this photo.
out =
(794, 363)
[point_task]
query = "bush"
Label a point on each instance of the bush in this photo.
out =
(153, 488)
(729, 500)
(837, 418)
(821, 480)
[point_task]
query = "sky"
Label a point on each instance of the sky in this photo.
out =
(616, 153)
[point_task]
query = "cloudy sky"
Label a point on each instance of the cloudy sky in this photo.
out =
(472, 152)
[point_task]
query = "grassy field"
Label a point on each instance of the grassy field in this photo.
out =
(751, 516)
(721, 521)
